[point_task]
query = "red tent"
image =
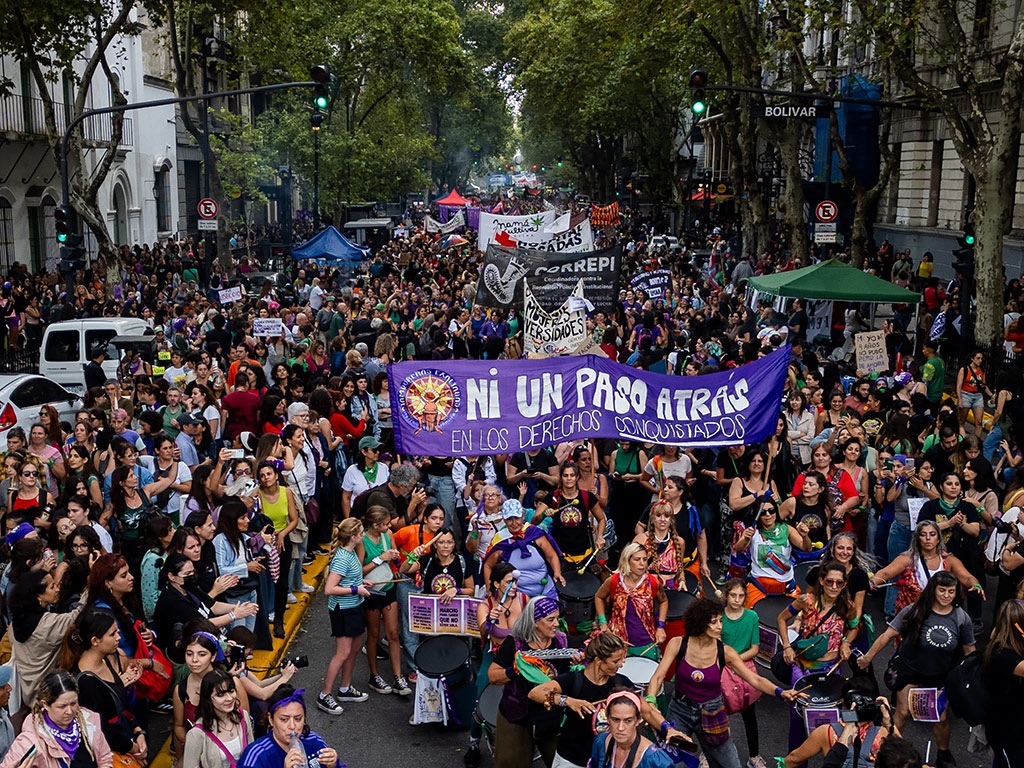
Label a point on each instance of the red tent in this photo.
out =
(452, 198)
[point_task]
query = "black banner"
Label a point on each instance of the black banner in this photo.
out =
(552, 276)
(652, 283)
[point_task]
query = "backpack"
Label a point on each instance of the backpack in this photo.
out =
(966, 690)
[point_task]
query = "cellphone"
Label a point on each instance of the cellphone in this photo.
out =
(889, 464)
(684, 744)
(910, 463)
(236, 453)
(236, 654)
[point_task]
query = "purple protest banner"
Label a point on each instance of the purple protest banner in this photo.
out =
(479, 407)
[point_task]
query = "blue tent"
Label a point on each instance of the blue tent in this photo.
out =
(329, 244)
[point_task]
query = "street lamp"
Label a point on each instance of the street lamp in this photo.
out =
(316, 120)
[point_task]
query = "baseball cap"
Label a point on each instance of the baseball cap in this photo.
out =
(296, 408)
(6, 673)
(187, 420)
(369, 442)
(511, 508)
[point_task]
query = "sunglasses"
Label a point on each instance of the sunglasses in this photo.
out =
(834, 582)
(31, 473)
(243, 472)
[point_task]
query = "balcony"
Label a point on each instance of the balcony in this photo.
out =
(26, 118)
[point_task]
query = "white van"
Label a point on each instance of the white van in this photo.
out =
(66, 347)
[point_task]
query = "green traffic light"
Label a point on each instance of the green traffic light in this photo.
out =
(320, 102)
(969, 239)
(699, 107)
(559, 163)
(62, 237)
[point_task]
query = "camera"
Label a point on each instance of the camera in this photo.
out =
(300, 660)
(236, 655)
(863, 709)
(1004, 527)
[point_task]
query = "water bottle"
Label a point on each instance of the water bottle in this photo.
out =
(295, 744)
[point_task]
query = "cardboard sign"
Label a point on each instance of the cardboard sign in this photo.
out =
(268, 326)
(429, 616)
(229, 295)
(554, 333)
(926, 705)
(872, 356)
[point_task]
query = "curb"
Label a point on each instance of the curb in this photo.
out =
(294, 614)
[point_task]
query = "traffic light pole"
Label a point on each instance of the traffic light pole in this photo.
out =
(65, 180)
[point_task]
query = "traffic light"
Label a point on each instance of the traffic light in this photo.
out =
(316, 120)
(559, 163)
(963, 256)
(321, 75)
(72, 254)
(62, 223)
(698, 83)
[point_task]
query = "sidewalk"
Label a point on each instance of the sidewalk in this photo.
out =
(315, 574)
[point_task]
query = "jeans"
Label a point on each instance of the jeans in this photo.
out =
(992, 440)
(295, 577)
(248, 622)
(410, 640)
(443, 491)
(898, 543)
(686, 715)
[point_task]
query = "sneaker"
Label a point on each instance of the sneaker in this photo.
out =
(308, 559)
(401, 686)
(327, 703)
(307, 588)
(381, 652)
(352, 694)
(756, 762)
(377, 684)
(164, 706)
(292, 599)
(472, 757)
(412, 677)
(278, 629)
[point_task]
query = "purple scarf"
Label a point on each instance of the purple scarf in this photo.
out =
(68, 738)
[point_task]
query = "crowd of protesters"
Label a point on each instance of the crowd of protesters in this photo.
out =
(152, 543)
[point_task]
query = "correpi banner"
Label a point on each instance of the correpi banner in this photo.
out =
(552, 276)
(478, 407)
(494, 225)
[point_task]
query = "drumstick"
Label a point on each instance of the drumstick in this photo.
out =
(392, 581)
(827, 673)
(586, 562)
(515, 577)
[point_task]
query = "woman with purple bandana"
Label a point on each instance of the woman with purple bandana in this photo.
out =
(290, 743)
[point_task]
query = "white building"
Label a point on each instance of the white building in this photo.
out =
(139, 198)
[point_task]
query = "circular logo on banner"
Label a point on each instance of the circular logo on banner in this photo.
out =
(429, 399)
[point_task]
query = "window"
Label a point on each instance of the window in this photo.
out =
(162, 192)
(62, 347)
(98, 336)
(6, 234)
(35, 392)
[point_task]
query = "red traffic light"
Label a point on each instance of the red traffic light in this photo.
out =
(698, 77)
(321, 73)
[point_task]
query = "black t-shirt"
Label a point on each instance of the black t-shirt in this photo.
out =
(570, 524)
(959, 543)
(516, 691)
(934, 652)
(730, 467)
(396, 505)
(938, 457)
(544, 462)
(172, 608)
(857, 581)
(1006, 691)
(577, 736)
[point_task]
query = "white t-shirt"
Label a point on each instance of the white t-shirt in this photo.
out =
(316, 300)
(184, 476)
(681, 466)
(356, 481)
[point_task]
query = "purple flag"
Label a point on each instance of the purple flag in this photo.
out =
(479, 407)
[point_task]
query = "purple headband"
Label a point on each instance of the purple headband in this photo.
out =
(19, 533)
(295, 696)
(215, 641)
(544, 606)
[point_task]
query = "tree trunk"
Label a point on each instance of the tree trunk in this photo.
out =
(992, 213)
(862, 214)
(794, 221)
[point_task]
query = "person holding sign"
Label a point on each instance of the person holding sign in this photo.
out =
(442, 572)
(933, 630)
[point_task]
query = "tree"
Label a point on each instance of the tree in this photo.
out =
(51, 38)
(954, 36)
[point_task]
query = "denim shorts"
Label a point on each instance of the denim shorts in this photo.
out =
(971, 399)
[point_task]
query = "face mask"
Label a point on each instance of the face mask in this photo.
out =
(191, 582)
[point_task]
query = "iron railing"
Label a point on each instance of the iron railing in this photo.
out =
(27, 116)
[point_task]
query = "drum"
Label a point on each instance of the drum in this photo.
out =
(487, 711)
(691, 582)
(767, 610)
(640, 671)
(446, 659)
(578, 597)
(823, 691)
(677, 603)
(802, 570)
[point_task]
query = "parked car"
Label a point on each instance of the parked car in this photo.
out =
(665, 241)
(66, 347)
(22, 395)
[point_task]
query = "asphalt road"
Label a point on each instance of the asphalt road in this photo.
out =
(376, 733)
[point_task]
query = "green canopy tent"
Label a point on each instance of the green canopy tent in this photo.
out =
(833, 280)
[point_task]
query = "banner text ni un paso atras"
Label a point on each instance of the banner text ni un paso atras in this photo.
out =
(476, 407)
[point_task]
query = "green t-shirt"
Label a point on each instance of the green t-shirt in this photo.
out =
(934, 373)
(741, 633)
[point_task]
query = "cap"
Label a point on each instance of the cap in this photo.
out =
(511, 508)
(296, 408)
(6, 673)
(369, 442)
(187, 420)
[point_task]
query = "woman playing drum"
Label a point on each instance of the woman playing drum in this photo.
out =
(637, 602)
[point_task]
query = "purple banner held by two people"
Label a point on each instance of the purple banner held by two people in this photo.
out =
(479, 407)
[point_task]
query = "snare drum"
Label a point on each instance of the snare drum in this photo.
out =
(768, 610)
(639, 670)
(487, 711)
(677, 604)
(578, 597)
(823, 691)
(447, 659)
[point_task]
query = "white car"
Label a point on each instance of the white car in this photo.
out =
(665, 241)
(21, 396)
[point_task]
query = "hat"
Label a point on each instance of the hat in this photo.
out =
(296, 408)
(511, 508)
(6, 673)
(249, 441)
(545, 606)
(19, 533)
(368, 442)
(187, 420)
(900, 457)
(179, 323)
(903, 378)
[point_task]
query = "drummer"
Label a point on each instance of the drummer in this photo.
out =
(828, 628)
(687, 526)
(638, 604)
(495, 615)
(524, 725)
(577, 692)
(577, 519)
(442, 570)
(529, 549)
(666, 549)
(770, 544)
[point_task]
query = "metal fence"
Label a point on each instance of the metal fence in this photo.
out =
(19, 361)
(19, 114)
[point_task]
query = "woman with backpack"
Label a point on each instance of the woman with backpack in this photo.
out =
(637, 603)
(971, 391)
(933, 630)
(697, 707)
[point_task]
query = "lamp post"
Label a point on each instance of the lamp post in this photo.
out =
(316, 120)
